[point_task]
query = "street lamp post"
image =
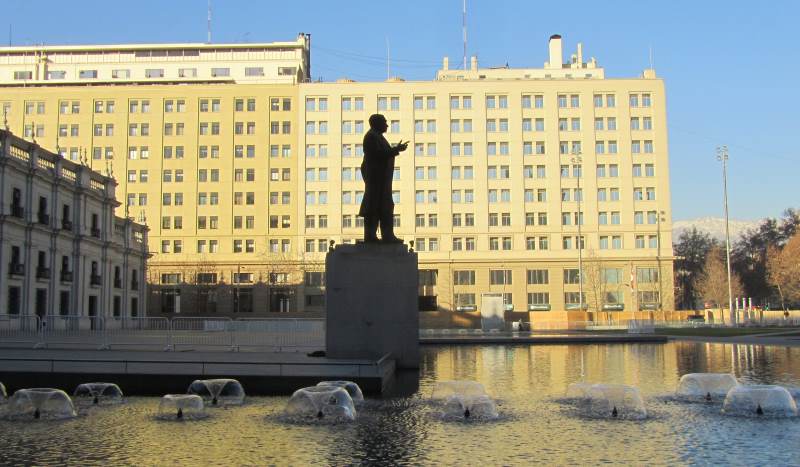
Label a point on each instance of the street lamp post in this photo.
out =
(659, 213)
(238, 281)
(722, 155)
(576, 159)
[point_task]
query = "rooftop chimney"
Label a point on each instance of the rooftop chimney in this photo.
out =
(446, 64)
(473, 63)
(556, 52)
(580, 54)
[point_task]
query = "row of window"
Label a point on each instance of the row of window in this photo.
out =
(540, 301)
(320, 104)
(392, 103)
(357, 127)
(459, 243)
(644, 275)
(17, 209)
(43, 271)
(151, 73)
(238, 246)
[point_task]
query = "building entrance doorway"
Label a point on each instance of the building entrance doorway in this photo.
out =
(281, 300)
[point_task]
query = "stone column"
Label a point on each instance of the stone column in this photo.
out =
(372, 303)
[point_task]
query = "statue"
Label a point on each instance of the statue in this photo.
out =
(377, 170)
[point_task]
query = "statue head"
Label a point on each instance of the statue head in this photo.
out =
(377, 122)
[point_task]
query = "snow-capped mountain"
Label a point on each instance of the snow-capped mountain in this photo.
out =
(714, 226)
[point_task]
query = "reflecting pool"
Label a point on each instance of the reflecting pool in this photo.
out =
(528, 384)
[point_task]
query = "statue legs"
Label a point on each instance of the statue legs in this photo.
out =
(370, 229)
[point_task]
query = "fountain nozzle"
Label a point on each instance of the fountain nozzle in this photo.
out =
(614, 412)
(466, 413)
(95, 401)
(180, 414)
(708, 397)
(320, 414)
(36, 414)
(214, 401)
(759, 410)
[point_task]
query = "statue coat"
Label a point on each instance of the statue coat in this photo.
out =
(377, 169)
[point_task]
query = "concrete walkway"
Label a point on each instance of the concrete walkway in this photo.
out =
(146, 371)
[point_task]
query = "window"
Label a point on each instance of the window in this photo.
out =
(154, 73)
(571, 276)
(538, 276)
(463, 277)
(500, 277)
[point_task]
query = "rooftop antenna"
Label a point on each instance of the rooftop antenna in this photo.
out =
(209, 21)
(464, 31)
(388, 61)
(9, 34)
(651, 57)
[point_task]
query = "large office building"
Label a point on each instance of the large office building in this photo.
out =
(245, 170)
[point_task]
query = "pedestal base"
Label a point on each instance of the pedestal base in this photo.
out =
(372, 303)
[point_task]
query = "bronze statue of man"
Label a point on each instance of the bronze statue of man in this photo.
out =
(377, 169)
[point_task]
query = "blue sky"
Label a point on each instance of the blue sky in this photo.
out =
(731, 68)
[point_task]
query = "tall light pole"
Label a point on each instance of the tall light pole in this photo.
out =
(722, 155)
(576, 159)
(659, 213)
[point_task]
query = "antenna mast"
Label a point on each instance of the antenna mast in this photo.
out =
(388, 61)
(464, 31)
(209, 21)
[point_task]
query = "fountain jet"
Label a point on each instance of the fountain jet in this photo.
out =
(318, 402)
(40, 403)
(218, 392)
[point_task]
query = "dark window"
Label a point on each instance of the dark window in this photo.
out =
(14, 297)
(63, 303)
(243, 300)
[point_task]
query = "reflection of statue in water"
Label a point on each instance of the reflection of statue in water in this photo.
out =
(377, 170)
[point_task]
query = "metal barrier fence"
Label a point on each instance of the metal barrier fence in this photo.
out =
(202, 333)
(19, 329)
(72, 331)
(641, 326)
(212, 333)
(279, 333)
(138, 332)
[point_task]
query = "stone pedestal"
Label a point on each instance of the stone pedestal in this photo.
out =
(371, 303)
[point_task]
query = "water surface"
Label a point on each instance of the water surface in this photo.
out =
(535, 425)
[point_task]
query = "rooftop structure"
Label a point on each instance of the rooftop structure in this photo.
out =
(51, 65)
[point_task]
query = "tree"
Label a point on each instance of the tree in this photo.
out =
(690, 253)
(783, 269)
(749, 253)
(594, 282)
(202, 275)
(713, 281)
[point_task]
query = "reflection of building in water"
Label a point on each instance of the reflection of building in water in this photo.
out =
(550, 369)
(245, 171)
(754, 363)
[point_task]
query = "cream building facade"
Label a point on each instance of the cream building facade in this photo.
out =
(245, 181)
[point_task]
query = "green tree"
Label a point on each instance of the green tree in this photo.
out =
(690, 253)
(712, 283)
(783, 270)
(749, 255)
